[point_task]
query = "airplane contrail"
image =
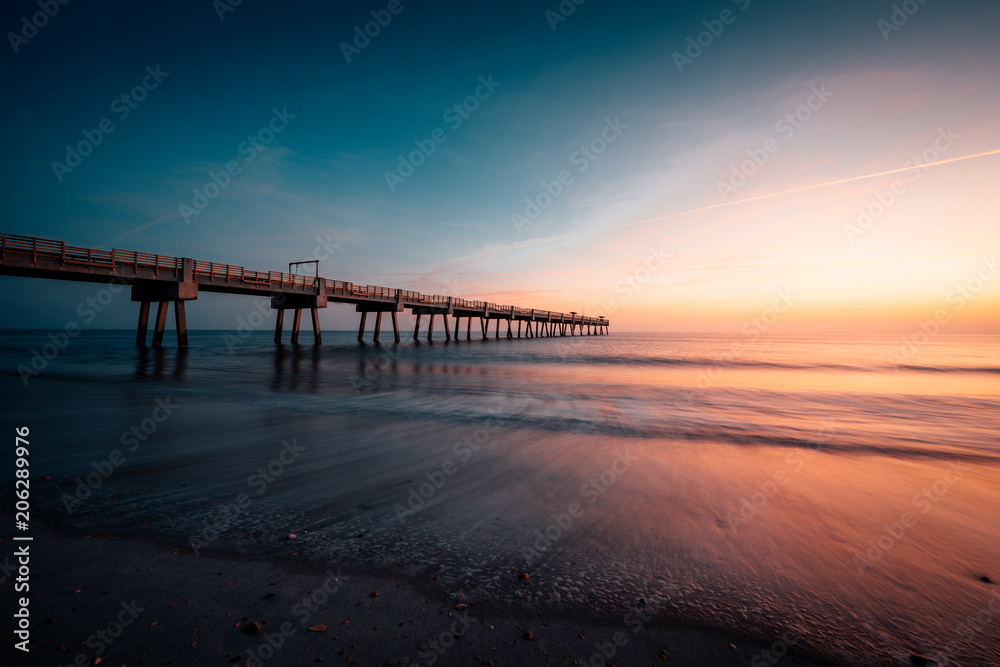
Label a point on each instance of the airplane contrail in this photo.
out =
(888, 172)
(808, 187)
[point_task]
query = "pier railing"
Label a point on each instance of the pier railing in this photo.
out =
(238, 276)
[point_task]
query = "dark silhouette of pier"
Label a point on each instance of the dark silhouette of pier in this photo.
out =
(163, 279)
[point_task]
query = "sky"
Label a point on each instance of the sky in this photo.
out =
(791, 167)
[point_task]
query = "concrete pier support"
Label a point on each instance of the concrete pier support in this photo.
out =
(431, 312)
(161, 321)
(458, 321)
(317, 337)
(180, 323)
(497, 333)
(140, 334)
(379, 310)
(468, 329)
(296, 321)
(509, 334)
(483, 324)
(278, 321)
(163, 292)
(298, 303)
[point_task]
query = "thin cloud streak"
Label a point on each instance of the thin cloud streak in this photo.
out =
(550, 239)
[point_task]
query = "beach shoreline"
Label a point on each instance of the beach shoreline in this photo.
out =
(174, 607)
(776, 518)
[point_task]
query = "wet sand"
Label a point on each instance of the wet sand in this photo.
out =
(179, 609)
(840, 558)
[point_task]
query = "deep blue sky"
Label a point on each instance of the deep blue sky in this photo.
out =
(448, 228)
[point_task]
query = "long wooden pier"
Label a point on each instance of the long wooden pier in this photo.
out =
(163, 279)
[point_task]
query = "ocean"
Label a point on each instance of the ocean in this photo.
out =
(842, 492)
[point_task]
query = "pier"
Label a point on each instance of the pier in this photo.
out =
(166, 280)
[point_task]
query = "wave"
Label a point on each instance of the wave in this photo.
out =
(727, 363)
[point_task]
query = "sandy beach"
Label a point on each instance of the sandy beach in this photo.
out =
(812, 539)
(132, 602)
